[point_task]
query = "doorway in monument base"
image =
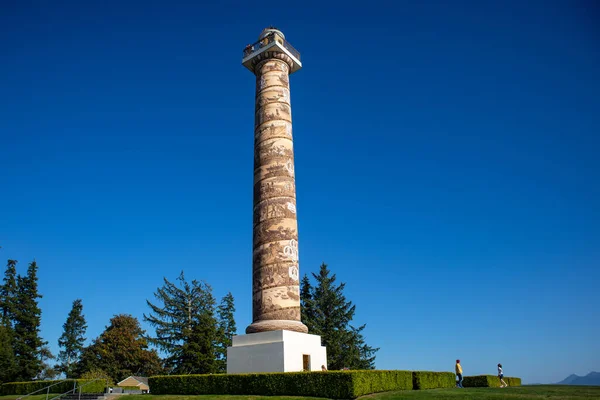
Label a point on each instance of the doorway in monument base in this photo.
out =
(306, 362)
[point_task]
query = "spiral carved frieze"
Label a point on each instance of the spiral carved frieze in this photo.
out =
(273, 112)
(274, 187)
(273, 95)
(283, 168)
(277, 209)
(285, 250)
(272, 303)
(275, 279)
(292, 313)
(274, 230)
(274, 129)
(275, 275)
(270, 81)
(271, 150)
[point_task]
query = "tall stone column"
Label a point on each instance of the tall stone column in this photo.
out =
(275, 268)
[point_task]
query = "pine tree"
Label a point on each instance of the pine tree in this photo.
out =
(307, 306)
(48, 372)
(8, 295)
(226, 329)
(121, 350)
(8, 364)
(72, 340)
(179, 305)
(8, 301)
(27, 341)
(178, 323)
(329, 314)
(197, 354)
(364, 358)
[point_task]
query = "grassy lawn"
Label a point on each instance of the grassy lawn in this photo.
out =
(176, 397)
(522, 392)
(33, 397)
(519, 392)
(168, 397)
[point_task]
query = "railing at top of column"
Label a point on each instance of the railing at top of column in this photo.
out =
(267, 40)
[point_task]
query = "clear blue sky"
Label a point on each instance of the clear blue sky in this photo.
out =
(446, 156)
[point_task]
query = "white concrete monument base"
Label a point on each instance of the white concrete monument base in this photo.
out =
(275, 351)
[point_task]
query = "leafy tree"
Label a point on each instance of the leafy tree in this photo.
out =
(8, 295)
(72, 340)
(8, 364)
(121, 350)
(186, 327)
(226, 329)
(28, 344)
(97, 373)
(329, 314)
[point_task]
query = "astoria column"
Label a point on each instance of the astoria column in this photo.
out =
(275, 268)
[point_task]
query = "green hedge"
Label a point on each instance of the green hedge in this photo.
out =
(367, 382)
(331, 384)
(433, 380)
(28, 387)
(513, 381)
(20, 388)
(489, 381)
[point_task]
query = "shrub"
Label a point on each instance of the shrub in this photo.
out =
(95, 387)
(433, 380)
(489, 381)
(60, 386)
(28, 387)
(97, 373)
(481, 381)
(331, 384)
(366, 382)
(512, 381)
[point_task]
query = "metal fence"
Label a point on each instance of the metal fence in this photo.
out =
(267, 40)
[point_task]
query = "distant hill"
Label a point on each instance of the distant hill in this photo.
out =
(569, 379)
(591, 379)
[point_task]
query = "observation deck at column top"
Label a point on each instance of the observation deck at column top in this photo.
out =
(271, 39)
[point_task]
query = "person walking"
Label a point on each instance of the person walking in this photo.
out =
(501, 376)
(458, 370)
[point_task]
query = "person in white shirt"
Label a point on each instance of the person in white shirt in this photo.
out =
(501, 376)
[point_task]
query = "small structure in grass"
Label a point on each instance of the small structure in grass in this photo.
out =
(133, 383)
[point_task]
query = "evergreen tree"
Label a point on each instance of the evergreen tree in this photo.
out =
(121, 350)
(307, 306)
(8, 295)
(364, 356)
(8, 301)
(48, 372)
(329, 314)
(226, 329)
(8, 364)
(72, 340)
(187, 311)
(179, 305)
(197, 354)
(27, 341)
